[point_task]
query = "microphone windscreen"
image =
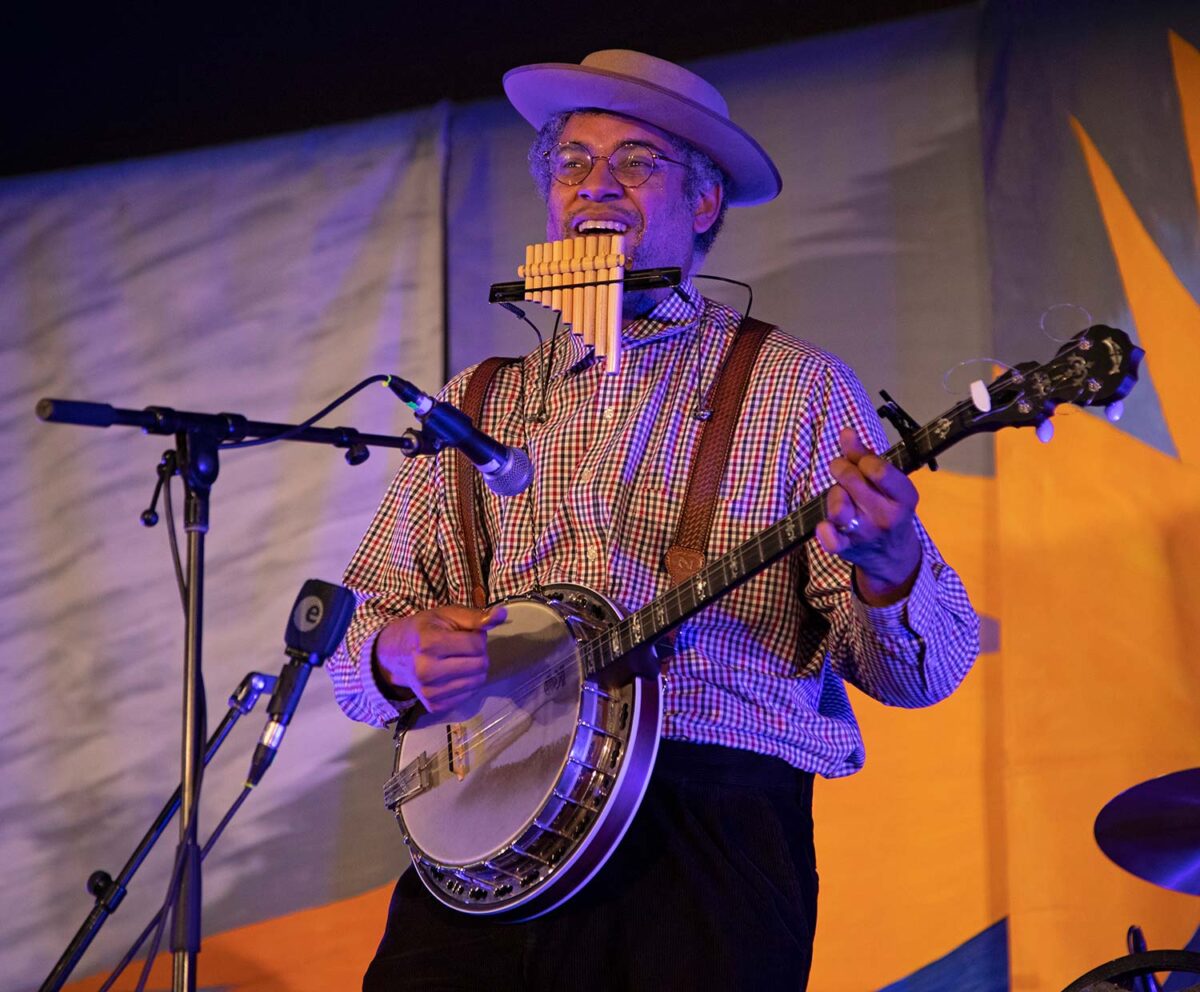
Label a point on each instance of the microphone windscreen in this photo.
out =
(319, 618)
(513, 476)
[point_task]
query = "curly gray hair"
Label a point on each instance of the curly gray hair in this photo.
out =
(702, 171)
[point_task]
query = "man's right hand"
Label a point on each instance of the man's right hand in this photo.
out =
(440, 655)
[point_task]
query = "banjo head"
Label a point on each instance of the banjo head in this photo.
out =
(497, 758)
(513, 801)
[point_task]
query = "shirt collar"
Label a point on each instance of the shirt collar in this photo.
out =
(679, 310)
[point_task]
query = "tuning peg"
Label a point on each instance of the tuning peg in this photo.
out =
(1114, 411)
(1045, 431)
(981, 397)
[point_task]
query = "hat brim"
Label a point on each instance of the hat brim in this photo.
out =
(538, 92)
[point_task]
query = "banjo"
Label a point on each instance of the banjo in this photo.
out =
(510, 803)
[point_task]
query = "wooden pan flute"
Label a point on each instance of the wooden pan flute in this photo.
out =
(582, 278)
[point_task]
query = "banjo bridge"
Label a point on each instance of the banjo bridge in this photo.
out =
(459, 745)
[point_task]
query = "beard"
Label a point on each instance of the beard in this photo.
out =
(670, 249)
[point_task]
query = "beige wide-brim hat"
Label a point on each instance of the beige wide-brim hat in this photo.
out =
(654, 91)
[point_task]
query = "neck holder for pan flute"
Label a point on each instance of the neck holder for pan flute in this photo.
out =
(635, 279)
(584, 279)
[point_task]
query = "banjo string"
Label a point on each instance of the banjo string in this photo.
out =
(558, 663)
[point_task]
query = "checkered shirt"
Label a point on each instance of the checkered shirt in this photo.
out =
(761, 669)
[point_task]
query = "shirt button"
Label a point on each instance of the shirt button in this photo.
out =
(608, 413)
(591, 554)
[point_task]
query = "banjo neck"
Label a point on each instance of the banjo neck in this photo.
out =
(1097, 367)
(607, 647)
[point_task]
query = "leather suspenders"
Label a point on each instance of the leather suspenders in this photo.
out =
(477, 390)
(685, 556)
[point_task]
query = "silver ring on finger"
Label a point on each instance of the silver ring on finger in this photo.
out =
(849, 527)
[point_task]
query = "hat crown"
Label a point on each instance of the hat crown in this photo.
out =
(659, 72)
(657, 92)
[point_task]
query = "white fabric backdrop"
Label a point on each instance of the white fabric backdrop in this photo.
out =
(263, 279)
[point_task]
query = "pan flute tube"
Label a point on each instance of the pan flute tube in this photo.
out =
(577, 269)
(601, 335)
(568, 294)
(612, 317)
(526, 271)
(588, 331)
(556, 279)
(583, 279)
(538, 253)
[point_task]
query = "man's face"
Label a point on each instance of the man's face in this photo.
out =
(660, 225)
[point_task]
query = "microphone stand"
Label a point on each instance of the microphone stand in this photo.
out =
(196, 452)
(197, 439)
(110, 892)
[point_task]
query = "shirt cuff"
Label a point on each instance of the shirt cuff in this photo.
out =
(372, 695)
(904, 615)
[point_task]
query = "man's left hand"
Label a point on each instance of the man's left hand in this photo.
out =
(869, 522)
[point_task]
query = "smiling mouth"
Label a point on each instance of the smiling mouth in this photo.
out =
(601, 227)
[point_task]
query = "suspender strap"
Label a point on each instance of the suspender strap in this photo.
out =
(468, 481)
(685, 557)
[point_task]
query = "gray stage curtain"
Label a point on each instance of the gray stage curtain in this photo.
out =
(264, 279)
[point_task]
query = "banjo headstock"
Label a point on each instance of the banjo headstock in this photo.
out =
(1097, 367)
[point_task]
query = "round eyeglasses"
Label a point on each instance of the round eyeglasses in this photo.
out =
(630, 165)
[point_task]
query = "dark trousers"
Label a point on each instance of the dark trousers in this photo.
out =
(714, 886)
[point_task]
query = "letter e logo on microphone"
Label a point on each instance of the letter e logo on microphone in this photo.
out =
(308, 613)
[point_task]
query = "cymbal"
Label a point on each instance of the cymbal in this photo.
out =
(1153, 830)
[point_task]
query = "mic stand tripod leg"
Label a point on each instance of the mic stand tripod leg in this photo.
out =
(109, 892)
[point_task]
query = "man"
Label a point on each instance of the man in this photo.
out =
(715, 883)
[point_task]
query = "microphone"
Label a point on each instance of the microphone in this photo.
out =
(315, 628)
(507, 471)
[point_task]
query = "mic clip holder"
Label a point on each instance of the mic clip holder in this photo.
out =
(417, 441)
(436, 418)
(899, 418)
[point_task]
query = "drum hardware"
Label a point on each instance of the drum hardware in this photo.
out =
(1153, 830)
